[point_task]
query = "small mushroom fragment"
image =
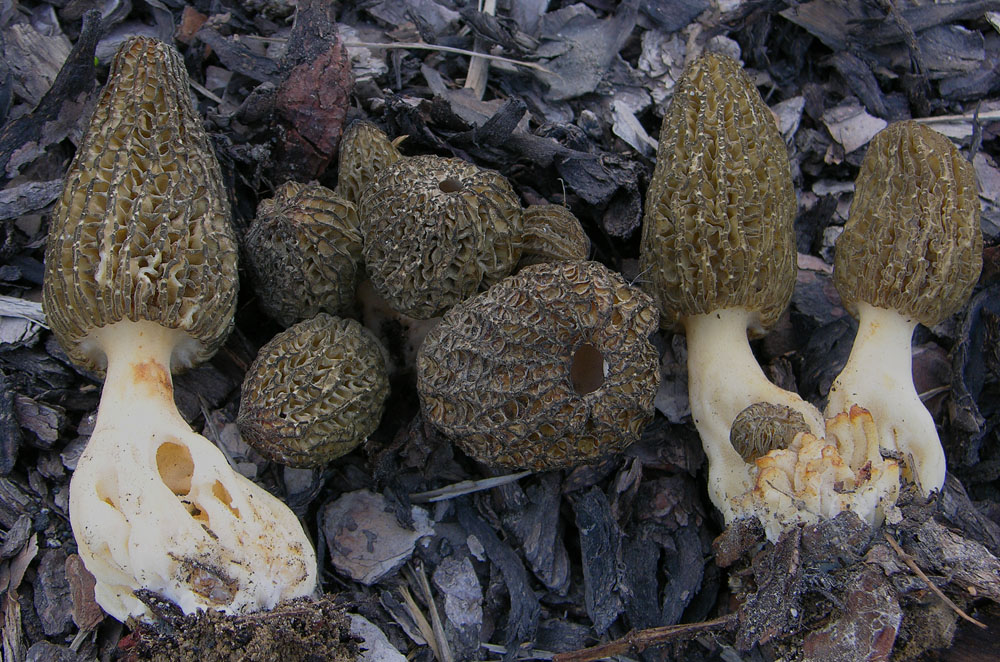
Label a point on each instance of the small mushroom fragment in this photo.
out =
(552, 233)
(718, 253)
(436, 229)
(910, 252)
(547, 369)
(314, 392)
(364, 152)
(763, 427)
(140, 277)
(304, 253)
(806, 478)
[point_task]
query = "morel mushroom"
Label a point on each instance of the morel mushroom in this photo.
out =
(304, 253)
(911, 252)
(314, 392)
(552, 233)
(435, 230)
(547, 369)
(140, 276)
(364, 152)
(718, 252)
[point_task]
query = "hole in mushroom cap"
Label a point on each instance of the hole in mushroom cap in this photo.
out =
(587, 369)
(450, 185)
(176, 467)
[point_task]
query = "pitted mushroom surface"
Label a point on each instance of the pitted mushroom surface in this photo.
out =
(549, 368)
(436, 230)
(314, 392)
(304, 253)
(141, 278)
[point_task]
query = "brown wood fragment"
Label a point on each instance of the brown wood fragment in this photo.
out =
(87, 614)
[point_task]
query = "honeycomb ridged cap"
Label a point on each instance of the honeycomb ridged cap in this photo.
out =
(912, 242)
(314, 393)
(435, 229)
(365, 151)
(142, 229)
(718, 227)
(552, 233)
(549, 368)
(304, 253)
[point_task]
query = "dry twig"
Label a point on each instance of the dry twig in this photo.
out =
(636, 642)
(912, 565)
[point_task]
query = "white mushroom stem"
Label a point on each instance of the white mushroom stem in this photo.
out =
(879, 377)
(156, 506)
(724, 378)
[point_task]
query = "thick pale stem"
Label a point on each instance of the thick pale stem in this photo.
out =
(156, 506)
(724, 378)
(879, 377)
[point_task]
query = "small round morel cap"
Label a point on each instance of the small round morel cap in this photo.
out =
(718, 227)
(365, 151)
(913, 242)
(314, 392)
(552, 233)
(763, 427)
(436, 229)
(304, 253)
(549, 368)
(141, 231)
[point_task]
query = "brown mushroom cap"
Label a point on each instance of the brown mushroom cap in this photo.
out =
(718, 230)
(142, 231)
(547, 369)
(552, 233)
(304, 253)
(314, 392)
(435, 229)
(365, 150)
(913, 242)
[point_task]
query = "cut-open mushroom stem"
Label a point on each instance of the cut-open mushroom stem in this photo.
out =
(724, 378)
(904, 424)
(145, 476)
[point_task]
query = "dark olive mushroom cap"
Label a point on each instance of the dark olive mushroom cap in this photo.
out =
(304, 253)
(718, 227)
(436, 229)
(365, 151)
(763, 427)
(547, 369)
(141, 231)
(314, 392)
(913, 242)
(552, 233)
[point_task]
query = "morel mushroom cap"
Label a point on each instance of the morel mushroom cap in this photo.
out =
(718, 252)
(314, 392)
(141, 275)
(547, 369)
(912, 242)
(717, 231)
(364, 152)
(304, 252)
(166, 252)
(435, 230)
(910, 252)
(552, 233)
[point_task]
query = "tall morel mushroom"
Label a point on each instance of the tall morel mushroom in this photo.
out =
(437, 229)
(140, 277)
(314, 392)
(547, 369)
(718, 252)
(304, 252)
(911, 252)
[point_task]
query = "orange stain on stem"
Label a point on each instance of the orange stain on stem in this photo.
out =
(153, 375)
